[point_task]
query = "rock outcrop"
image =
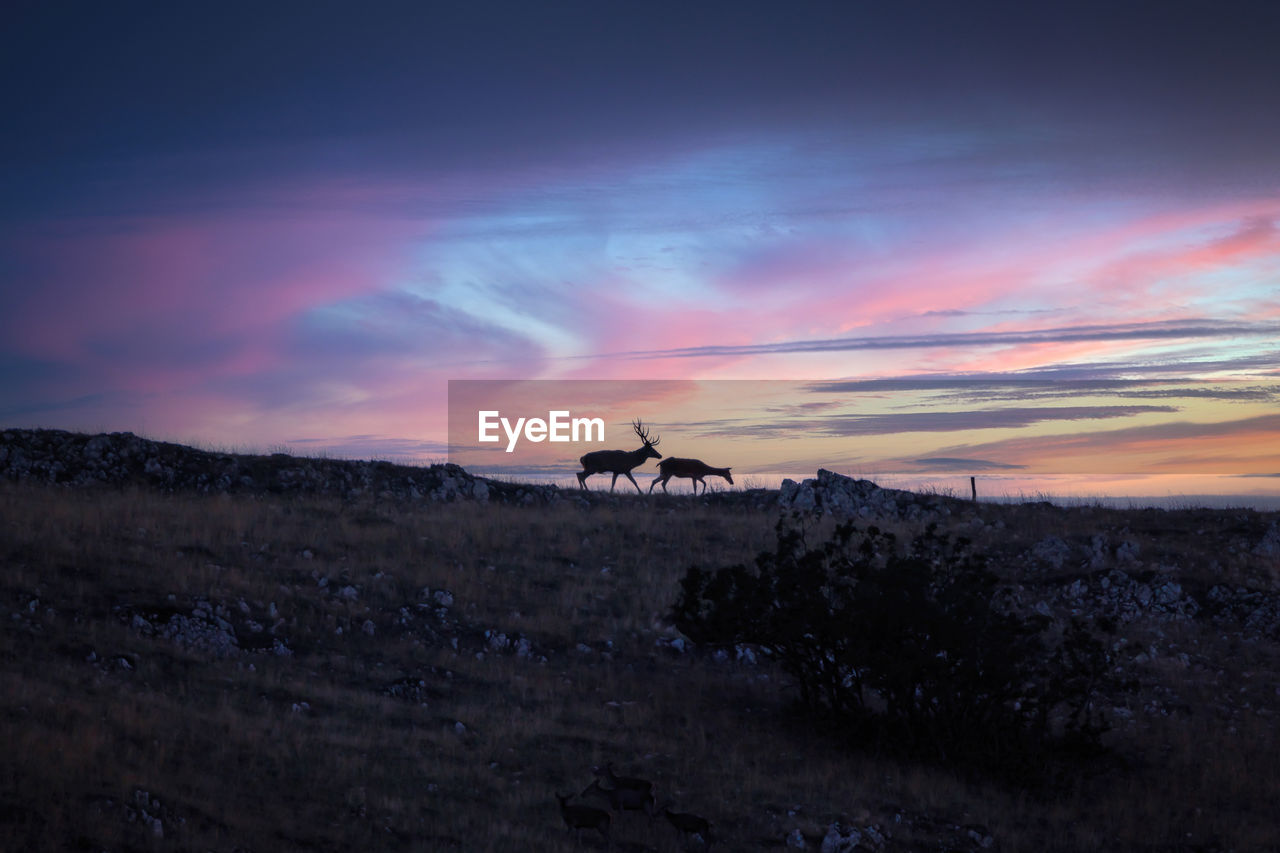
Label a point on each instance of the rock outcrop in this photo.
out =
(834, 494)
(122, 459)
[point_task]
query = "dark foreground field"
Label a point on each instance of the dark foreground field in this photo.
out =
(250, 672)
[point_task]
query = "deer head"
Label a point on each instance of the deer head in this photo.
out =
(649, 443)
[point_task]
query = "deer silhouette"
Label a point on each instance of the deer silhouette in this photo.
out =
(619, 461)
(694, 469)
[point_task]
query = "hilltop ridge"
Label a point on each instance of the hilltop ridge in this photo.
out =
(121, 458)
(59, 457)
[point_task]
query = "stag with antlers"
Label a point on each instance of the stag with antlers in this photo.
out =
(619, 461)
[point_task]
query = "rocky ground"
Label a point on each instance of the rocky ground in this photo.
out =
(122, 458)
(274, 607)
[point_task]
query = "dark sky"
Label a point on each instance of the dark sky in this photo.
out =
(445, 84)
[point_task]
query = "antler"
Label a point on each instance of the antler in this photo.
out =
(643, 432)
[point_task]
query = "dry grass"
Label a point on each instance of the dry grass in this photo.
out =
(236, 760)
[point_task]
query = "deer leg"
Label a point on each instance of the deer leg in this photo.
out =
(633, 481)
(615, 481)
(582, 479)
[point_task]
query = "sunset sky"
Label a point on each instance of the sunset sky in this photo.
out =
(977, 238)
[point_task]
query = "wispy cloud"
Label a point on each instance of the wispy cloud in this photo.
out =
(1137, 380)
(1205, 328)
(1239, 446)
(846, 425)
(945, 464)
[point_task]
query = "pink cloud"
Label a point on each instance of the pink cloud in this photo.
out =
(226, 274)
(151, 303)
(957, 289)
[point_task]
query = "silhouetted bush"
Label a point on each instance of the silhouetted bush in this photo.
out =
(913, 648)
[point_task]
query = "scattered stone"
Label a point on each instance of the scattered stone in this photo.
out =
(839, 840)
(199, 633)
(834, 494)
(1269, 546)
(1256, 611)
(1051, 552)
(1120, 597)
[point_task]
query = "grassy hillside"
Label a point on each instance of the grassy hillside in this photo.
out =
(296, 672)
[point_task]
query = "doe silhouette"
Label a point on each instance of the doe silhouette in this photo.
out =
(694, 469)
